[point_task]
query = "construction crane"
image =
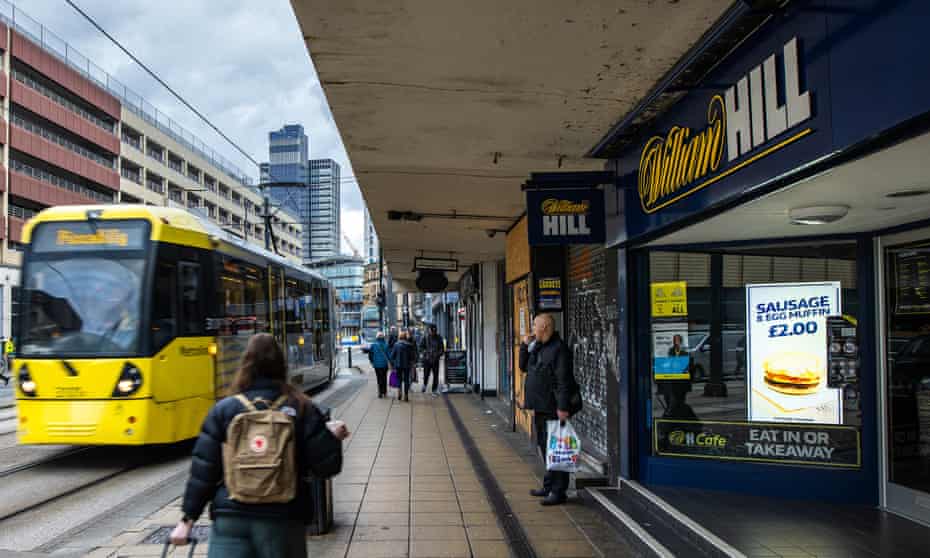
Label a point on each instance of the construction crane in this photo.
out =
(352, 246)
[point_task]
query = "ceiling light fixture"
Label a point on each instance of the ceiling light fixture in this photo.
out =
(908, 193)
(818, 214)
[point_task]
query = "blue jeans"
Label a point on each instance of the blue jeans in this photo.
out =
(254, 537)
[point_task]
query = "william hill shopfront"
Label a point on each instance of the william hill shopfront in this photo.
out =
(773, 237)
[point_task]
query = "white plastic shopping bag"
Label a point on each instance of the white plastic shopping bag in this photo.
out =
(563, 447)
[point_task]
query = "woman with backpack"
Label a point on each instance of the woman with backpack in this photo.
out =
(404, 358)
(378, 356)
(254, 450)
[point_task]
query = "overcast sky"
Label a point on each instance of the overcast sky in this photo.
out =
(242, 63)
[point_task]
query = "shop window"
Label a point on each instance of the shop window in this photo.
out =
(705, 367)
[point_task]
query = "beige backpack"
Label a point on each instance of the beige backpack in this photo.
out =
(259, 459)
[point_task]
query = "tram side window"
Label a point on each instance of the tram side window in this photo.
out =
(256, 305)
(232, 304)
(164, 306)
(192, 312)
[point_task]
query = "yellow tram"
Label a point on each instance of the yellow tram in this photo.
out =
(133, 320)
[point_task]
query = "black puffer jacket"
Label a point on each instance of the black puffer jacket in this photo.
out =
(404, 355)
(318, 453)
(549, 381)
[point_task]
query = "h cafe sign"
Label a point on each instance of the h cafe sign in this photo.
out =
(748, 115)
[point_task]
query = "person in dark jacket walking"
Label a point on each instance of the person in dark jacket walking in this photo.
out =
(392, 338)
(404, 357)
(547, 390)
(258, 530)
(378, 356)
(431, 349)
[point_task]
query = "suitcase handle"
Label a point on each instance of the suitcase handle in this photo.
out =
(191, 541)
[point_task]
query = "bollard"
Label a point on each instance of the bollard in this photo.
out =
(349, 349)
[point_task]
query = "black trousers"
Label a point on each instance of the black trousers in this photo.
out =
(403, 376)
(431, 367)
(381, 374)
(555, 482)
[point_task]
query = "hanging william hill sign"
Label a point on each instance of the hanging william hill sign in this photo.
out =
(570, 216)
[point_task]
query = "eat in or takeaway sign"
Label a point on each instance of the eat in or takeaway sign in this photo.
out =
(570, 216)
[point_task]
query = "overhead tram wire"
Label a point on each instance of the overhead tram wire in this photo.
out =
(196, 112)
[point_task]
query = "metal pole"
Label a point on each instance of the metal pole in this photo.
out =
(381, 294)
(266, 218)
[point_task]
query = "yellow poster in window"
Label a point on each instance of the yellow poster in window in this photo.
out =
(670, 300)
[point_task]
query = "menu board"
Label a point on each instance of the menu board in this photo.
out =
(912, 277)
(787, 352)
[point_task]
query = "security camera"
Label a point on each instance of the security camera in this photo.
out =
(491, 233)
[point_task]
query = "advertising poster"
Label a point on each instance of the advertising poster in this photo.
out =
(549, 294)
(670, 300)
(912, 279)
(671, 357)
(786, 444)
(787, 352)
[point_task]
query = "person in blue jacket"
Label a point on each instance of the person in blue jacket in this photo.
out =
(378, 356)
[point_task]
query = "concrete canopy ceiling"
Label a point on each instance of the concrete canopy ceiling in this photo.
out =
(448, 106)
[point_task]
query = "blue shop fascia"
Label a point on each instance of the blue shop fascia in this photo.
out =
(771, 217)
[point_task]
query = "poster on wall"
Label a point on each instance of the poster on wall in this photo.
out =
(669, 300)
(549, 294)
(671, 359)
(787, 352)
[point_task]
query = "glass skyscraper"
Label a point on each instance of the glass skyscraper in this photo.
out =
(312, 192)
(325, 222)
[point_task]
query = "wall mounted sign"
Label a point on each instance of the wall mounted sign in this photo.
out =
(570, 216)
(549, 294)
(435, 264)
(786, 352)
(826, 446)
(669, 300)
(912, 279)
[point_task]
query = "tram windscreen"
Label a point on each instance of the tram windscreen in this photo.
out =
(83, 303)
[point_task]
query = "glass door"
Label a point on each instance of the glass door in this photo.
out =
(906, 344)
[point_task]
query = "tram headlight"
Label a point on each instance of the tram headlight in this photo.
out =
(129, 382)
(26, 384)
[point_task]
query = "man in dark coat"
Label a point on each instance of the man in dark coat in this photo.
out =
(547, 389)
(432, 348)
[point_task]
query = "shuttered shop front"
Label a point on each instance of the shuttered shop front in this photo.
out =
(591, 320)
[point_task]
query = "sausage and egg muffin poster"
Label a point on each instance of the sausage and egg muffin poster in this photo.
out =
(787, 352)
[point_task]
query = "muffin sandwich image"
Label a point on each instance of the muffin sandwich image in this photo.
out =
(793, 373)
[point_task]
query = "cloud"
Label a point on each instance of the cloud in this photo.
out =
(242, 63)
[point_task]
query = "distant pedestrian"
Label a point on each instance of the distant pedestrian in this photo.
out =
(403, 356)
(392, 337)
(432, 348)
(550, 390)
(272, 524)
(378, 356)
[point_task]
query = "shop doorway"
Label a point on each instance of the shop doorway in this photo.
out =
(905, 317)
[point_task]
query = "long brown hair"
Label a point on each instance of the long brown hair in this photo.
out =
(264, 358)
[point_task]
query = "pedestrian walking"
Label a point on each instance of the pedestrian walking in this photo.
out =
(404, 358)
(254, 450)
(392, 338)
(378, 356)
(432, 348)
(551, 392)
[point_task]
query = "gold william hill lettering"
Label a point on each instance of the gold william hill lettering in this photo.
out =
(114, 237)
(553, 206)
(669, 163)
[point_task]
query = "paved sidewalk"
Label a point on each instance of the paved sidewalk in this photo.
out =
(409, 488)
